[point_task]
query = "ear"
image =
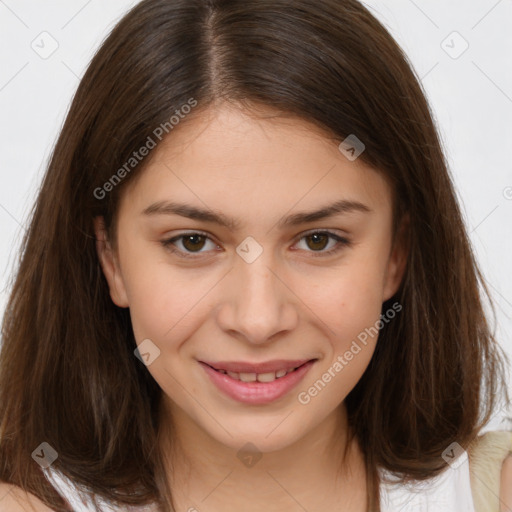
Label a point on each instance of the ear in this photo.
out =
(398, 259)
(109, 264)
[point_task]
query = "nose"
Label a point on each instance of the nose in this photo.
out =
(258, 302)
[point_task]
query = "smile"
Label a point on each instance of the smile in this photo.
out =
(260, 377)
(258, 383)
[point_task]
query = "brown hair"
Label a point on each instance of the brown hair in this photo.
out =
(68, 375)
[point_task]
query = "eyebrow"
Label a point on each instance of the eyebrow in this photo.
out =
(340, 207)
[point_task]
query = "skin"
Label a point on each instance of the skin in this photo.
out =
(292, 302)
(506, 485)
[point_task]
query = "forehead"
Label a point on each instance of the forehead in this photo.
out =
(255, 161)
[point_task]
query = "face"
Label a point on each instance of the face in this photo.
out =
(233, 297)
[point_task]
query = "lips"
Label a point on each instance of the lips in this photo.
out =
(258, 383)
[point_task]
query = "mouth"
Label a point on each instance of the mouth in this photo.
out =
(259, 383)
(262, 372)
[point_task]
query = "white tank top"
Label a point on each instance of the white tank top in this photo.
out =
(449, 491)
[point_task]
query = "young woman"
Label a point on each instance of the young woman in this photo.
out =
(246, 284)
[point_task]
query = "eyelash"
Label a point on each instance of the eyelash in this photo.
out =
(342, 243)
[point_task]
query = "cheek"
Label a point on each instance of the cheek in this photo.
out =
(163, 303)
(349, 298)
(153, 295)
(349, 306)
(166, 302)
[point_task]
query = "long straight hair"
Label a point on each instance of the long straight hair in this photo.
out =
(68, 375)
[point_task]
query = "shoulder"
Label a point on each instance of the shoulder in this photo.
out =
(14, 499)
(491, 470)
(506, 484)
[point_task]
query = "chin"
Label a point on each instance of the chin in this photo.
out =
(258, 436)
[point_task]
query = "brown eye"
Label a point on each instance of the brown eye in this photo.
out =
(318, 241)
(193, 242)
(188, 244)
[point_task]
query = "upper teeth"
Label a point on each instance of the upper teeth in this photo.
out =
(260, 377)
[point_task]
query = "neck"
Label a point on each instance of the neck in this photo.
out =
(319, 469)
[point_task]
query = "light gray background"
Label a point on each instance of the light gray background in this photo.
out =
(470, 95)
